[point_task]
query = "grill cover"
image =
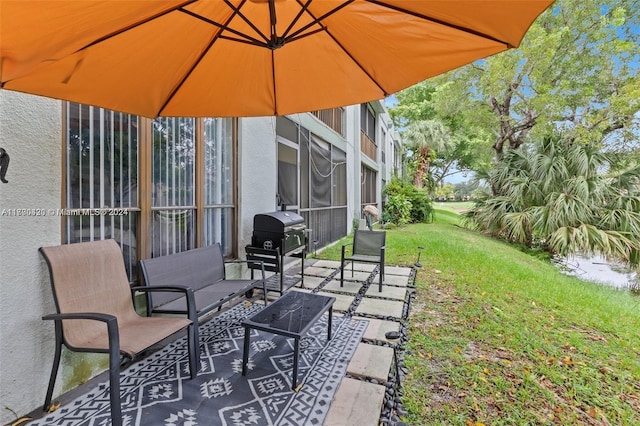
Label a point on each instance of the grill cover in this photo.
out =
(271, 229)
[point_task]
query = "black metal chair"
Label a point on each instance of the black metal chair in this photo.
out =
(95, 313)
(368, 247)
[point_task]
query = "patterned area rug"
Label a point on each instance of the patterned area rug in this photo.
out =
(158, 391)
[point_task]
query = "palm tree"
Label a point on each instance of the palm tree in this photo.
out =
(565, 197)
(425, 138)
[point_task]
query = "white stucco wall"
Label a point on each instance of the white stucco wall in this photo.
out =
(352, 126)
(30, 131)
(257, 174)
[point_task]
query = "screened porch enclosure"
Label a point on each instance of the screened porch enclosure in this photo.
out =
(312, 177)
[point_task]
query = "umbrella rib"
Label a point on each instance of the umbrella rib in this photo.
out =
(295, 20)
(225, 26)
(307, 34)
(355, 61)
(134, 25)
(240, 40)
(245, 19)
(316, 20)
(440, 22)
(195, 64)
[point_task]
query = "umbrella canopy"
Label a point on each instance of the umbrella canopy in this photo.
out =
(222, 58)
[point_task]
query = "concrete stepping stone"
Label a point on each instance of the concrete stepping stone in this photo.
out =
(342, 303)
(320, 272)
(312, 282)
(334, 264)
(392, 308)
(356, 403)
(397, 270)
(393, 280)
(366, 267)
(352, 287)
(377, 329)
(371, 361)
(357, 275)
(398, 293)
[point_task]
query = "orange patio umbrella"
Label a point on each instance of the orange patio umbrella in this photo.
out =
(221, 58)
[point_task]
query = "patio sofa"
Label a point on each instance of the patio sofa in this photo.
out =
(202, 270)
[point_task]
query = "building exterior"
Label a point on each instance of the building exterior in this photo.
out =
(80, 173)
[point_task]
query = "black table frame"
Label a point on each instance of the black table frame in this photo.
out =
(325, 303)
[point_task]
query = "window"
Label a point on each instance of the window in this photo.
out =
(219, 173)
(368, 186)
(368, 121)
(383, 157)
(172, 186)
(157, 187)
(101, 159)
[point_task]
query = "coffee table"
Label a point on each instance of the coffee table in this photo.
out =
(292, 315)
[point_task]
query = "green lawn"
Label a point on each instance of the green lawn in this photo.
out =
(498, 337)
(454, 206)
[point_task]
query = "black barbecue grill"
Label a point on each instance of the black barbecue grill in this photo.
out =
(276, 235)
(280, 229)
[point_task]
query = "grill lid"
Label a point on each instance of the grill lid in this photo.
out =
(276, 221)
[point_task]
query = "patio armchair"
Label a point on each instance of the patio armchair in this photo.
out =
(368, 247)
(95, 312)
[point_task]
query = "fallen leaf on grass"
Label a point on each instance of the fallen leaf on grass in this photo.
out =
(606, 370)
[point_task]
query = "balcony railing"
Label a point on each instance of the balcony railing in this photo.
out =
(334, 118)
(367, 146)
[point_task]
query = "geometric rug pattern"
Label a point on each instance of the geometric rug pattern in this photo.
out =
(158, 389)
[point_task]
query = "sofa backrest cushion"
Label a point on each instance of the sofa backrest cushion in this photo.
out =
(196, 268)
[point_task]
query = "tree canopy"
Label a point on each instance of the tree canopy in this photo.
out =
(561, 116)
(566, 198)
(577, 70)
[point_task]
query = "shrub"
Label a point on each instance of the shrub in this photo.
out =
(402, 195)
(397, 210)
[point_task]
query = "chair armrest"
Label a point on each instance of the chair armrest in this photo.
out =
(162, 288)
(192, 314)
(111, 322)
(96, 316)
(343, 251)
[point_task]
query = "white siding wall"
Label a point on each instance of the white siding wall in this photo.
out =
(30, 131)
